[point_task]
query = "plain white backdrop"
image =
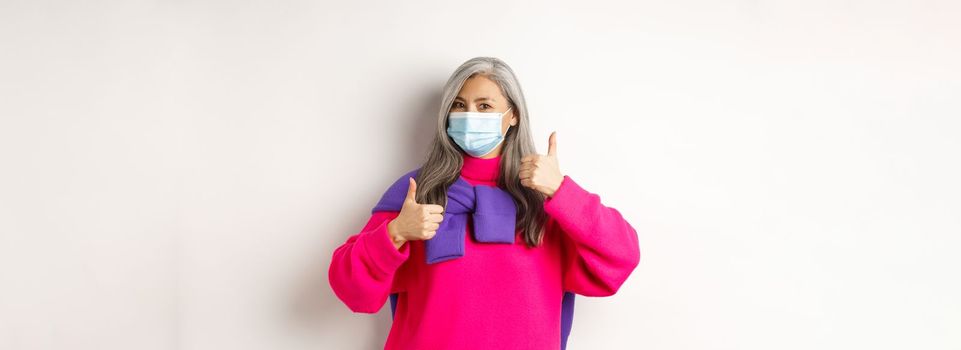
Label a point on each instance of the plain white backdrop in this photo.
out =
(176, 174)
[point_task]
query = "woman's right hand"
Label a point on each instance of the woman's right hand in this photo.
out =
(415, 221)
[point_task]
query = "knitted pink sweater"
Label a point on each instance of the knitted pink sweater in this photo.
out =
(497, 296)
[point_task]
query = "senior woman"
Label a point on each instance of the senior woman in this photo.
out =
(485, 245)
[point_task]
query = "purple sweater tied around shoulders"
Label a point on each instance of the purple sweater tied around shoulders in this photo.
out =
(493, 209)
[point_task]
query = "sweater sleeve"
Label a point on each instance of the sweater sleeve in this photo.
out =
(362, 271)
(600, 247)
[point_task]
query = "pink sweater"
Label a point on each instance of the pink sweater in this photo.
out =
(497, 296)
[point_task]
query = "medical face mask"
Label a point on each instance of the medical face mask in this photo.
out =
(476, 133)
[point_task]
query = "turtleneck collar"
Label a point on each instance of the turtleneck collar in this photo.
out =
(480, 169)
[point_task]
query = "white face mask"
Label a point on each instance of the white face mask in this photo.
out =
(477, 133)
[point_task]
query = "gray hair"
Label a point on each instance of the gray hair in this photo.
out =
(444, 160)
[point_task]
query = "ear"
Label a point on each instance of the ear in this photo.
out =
(513, 117)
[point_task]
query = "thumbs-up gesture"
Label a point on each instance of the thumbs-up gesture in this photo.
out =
(541, 172)
(415, 221)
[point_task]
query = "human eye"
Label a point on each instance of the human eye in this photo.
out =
(457, 105)
(484, 106)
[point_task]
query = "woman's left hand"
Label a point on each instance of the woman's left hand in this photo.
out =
(541, 172)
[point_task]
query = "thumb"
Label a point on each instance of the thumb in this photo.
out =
(412, 190)
(552, 144)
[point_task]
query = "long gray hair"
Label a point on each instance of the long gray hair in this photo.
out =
(444, 159)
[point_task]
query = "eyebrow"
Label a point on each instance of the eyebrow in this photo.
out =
(477, 99)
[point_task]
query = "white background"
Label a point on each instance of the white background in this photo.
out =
(176, 174)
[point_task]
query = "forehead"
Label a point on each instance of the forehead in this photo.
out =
(480, 86)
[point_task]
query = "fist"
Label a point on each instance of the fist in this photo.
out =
(541, 172)
(415, 221)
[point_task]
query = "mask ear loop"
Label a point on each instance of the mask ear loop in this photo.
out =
(509, 125)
